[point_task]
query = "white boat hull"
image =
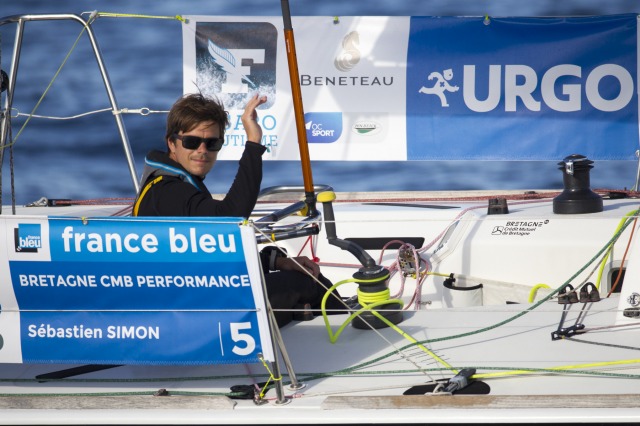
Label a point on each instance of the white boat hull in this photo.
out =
(379, 376)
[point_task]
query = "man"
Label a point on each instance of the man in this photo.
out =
(172, 184)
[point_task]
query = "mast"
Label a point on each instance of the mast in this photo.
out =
(298, 109)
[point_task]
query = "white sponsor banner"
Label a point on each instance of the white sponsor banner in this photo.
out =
(352, 79)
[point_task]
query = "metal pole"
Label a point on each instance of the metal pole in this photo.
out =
(8, 102)
(635, 186)
(273, 329)
(103, 71)
(298, 109)
(295, 384)
(13, 73)
(115, 108)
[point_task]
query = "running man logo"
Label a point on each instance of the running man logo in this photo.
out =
(27, 238)
(441, 85)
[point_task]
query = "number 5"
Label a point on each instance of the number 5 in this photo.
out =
(238, 336)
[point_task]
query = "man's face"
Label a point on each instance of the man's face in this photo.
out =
(198, 161)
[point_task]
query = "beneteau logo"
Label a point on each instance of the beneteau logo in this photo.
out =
(562, 88)
(27, 238)
(349, 56)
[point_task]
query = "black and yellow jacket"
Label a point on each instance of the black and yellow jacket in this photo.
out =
(167, 189)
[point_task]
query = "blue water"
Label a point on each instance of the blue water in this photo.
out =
(82, 158)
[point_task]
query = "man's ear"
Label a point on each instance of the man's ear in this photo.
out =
(171, 145)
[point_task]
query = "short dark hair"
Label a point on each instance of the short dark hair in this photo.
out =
(191, 110)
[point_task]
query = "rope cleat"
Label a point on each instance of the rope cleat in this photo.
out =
(589, 293)
(460, 380)
(566, 297)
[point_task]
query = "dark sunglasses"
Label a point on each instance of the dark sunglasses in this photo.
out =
(193, 142)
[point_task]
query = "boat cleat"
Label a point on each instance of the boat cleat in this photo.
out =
(571, 331)
(460, 380)
(628, 313)
(567, 295)
(589, 293)
(248, 392)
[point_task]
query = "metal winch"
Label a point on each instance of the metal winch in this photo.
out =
(577, 196)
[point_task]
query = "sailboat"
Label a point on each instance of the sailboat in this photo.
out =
(465, 307)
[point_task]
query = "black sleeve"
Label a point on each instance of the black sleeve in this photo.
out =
(243, 194)
(268, 256)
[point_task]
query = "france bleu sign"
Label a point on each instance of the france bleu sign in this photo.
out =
(132, 291)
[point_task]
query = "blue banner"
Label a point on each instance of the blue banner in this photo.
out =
(397, 88)
(522, 88)
(139, 291)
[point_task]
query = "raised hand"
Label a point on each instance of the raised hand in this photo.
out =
(250, 118)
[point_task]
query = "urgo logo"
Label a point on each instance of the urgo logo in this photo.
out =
(562, 88)
(323, 127)
(28, 237)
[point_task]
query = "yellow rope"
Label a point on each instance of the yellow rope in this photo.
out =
(271, 377)
(369, 298)
(376, 299)
(561, 368)
(136, 15)
(534, 291)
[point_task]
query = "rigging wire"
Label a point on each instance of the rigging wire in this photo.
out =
(12, 177)
(55, 76)
(92, 17)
